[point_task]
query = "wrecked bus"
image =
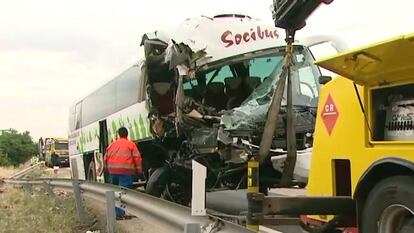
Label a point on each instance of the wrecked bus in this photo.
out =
(201, 93)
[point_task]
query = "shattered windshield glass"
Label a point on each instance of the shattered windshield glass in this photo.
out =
(229, 83)
(251, 114)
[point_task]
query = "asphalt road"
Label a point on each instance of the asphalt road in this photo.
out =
(63, 172)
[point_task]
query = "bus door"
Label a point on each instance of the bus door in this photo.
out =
(103, 144)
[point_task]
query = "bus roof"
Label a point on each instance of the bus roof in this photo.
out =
(228, 35)
(224, 36)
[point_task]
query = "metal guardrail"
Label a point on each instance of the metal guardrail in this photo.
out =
(168, 215)
(23, 172)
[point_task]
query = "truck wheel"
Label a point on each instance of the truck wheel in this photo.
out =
(157, 181)
(390, 206)
(92, 171)
(302, 185)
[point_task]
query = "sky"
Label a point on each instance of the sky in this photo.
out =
(55, 52)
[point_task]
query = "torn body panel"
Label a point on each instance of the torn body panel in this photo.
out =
(251, 114)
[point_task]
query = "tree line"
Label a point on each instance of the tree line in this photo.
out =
(15, 147)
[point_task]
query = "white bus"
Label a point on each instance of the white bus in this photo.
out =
(201, 92)
(94, 120)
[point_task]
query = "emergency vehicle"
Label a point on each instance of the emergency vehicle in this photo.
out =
(364, 135)
(58, 145)
(362, 168)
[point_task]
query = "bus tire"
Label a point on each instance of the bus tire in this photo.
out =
(91, 171)
(390, 206)
(157, 181)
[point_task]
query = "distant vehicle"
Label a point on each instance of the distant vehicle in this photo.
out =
(58, 145)
(200, 93)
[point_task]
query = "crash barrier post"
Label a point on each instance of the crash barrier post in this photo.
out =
(110, 211)
(27, 188)
(192, 228)
(254, 208)
(198, 200)
(49, 190)
(78, 200)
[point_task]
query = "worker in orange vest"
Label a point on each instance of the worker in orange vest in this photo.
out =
(122, 161)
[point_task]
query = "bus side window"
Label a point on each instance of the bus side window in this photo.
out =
(127, 89)
(72, 119)
(78, 115)
(142, 82)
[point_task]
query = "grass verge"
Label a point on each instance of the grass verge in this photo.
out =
(37, 212)
(7, 171)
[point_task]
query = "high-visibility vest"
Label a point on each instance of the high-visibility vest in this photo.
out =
(123, 158)
(34, 160)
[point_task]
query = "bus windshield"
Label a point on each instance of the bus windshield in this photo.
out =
(251, 79)
(252, 111)
(61, 146)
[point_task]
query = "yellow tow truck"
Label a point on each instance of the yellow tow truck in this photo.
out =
(364, 137)
(50, 146)
(362, 170)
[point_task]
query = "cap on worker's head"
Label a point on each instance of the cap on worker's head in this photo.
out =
(123, 132)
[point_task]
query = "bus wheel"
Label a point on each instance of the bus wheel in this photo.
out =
(92, 171)
(390, 206)
(158, 181)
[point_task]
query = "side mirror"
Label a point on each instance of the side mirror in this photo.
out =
(323, 79)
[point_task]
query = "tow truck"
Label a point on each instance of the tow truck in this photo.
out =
(47, 146)
(362, 169)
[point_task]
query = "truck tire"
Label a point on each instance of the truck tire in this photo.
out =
(157, 181)
(390, 206)
(91, 175)
(48, 163)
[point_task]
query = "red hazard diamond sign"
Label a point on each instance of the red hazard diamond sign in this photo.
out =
(329, 114)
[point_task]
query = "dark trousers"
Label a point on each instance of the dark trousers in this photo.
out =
(121, 180)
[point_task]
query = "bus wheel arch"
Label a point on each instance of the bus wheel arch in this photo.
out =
(153, 156)
(89, 163)
(377, 172)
